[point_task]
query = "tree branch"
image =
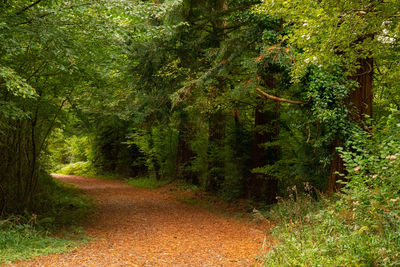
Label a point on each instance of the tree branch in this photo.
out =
(33, 19)
(52, 122)
(28, 7)
(279, 99)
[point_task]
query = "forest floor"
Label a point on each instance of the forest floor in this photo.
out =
(143, 227)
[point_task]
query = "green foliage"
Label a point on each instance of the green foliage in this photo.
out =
(188, 186)
(362, 226)
(167, 89)
(328, 92)
(15, 84)
(50, 54)
(77, 168)
(12, 83)
(70, 154)
(111, 150)
(157, 148)
(64, 149)
(335, 32)
(307, 133)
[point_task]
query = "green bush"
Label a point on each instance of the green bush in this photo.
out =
(64, 149)
(361, 227)
(77, 168)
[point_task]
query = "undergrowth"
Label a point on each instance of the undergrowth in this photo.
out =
(359, 226)
(76, 168)
(56, 206)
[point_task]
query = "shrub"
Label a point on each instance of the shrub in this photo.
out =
(77, 168)
(361, 227)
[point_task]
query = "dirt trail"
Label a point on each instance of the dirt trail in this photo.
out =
(140, 227)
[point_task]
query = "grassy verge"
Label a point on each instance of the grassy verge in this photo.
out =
(23, 241)
(147, 182)
(56, 206)
(334, 232)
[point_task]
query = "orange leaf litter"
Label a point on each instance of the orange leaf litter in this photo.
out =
(142, 227)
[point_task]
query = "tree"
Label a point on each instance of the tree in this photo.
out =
(350, 34)
(49, 52)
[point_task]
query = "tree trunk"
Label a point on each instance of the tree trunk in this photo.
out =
(360, 104)
(263, 187)
(217, 116)
(337, 166)
(184, 155)
(215, 151)
(361, 98)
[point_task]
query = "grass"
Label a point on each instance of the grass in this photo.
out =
(146, 182)
(330, 232)
(360, 226)
(56, 206)
(198, 203)
(21, 242)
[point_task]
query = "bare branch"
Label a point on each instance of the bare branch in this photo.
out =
(279, 99)
(28, 7)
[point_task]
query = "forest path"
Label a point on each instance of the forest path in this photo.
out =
(141, 227)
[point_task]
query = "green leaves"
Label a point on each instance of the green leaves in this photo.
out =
(15, 84)
(53, 55)
(361, 225)
(332, 32)
(13, 88)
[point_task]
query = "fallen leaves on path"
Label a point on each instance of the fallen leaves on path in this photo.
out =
(141, 227)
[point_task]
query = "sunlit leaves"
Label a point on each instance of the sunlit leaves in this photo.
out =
(337, 32)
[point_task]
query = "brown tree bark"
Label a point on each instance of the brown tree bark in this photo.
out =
(184, 155)
(262, 187)
(360, 104)
(361, 98)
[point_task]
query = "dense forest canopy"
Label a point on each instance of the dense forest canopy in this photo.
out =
(242, 98)
(239, 97)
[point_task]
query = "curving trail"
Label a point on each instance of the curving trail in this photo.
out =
(141, 227)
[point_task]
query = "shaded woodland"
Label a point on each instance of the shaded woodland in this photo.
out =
(242, 98)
